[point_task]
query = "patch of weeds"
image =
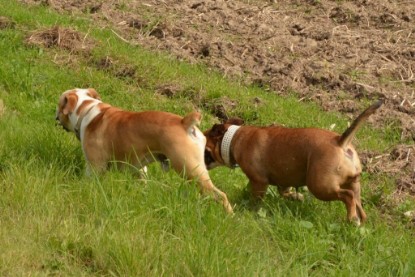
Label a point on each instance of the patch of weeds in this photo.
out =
(93, 8)
(261, 84)
(249, 115)
(356, 75)
(75, 251)
(406, 205)
(392, 130)
(376, 195)
(53, 265)
(122, 6)
(343, 15)
(6, 23)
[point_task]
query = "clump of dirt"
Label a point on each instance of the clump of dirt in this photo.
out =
(169, 90)
(221, 107)
(104, 63)
(60, 37)
(176, 91)
(86, 6)
(126, 71)
(6, 23)
(398, 162)
(119, 69)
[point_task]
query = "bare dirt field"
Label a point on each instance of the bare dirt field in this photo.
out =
(338, 54)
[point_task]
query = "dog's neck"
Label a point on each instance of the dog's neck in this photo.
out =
(225, 149)
(85, 117)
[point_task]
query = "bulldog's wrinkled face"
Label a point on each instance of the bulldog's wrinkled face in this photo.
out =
(214, 137)
(69, 106)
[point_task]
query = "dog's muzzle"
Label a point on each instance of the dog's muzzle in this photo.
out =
(208, 159)
(58, 123)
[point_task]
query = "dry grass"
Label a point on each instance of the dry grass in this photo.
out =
(61, 37)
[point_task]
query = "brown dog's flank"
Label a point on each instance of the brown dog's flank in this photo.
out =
(324, 161)
(111, 135)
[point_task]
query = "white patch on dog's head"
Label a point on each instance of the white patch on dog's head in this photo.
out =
(83, 95)
(68, 111)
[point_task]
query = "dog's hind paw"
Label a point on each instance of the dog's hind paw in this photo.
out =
(356, 221)
(299, 197)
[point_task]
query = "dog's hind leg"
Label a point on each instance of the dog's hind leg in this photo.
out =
(327, 187)
(349, 199)
(347, 196)
(196, 170)
(207, 186)
(360, 212)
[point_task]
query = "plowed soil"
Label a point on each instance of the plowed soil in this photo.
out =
(335, 53)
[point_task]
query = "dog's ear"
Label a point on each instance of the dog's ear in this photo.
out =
(235, 121)
(217, 130)
(68, 103)
(93, 93)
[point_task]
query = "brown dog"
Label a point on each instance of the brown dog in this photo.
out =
(322, 160)
(110, 134)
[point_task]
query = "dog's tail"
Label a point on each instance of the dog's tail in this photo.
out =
(348, 135)
(191, 119)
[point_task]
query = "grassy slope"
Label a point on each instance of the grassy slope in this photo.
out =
(55, 220)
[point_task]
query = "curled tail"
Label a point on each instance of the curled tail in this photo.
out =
(190, 120)
(348, 135)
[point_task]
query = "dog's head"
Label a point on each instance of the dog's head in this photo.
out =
(71, 105)
(214, 137)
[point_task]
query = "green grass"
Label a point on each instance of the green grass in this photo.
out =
(56, 221)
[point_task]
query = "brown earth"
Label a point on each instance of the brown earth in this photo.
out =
(336, 53)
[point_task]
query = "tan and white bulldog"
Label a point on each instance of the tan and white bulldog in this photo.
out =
(324, 161)
(109, 134)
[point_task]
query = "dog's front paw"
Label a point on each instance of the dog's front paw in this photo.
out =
(165, 165)
(294, 196)
(142, 173)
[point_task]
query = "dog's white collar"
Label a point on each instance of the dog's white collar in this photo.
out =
(225, 148)
(81, 117)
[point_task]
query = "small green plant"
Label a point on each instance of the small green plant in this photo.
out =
(356, 75)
